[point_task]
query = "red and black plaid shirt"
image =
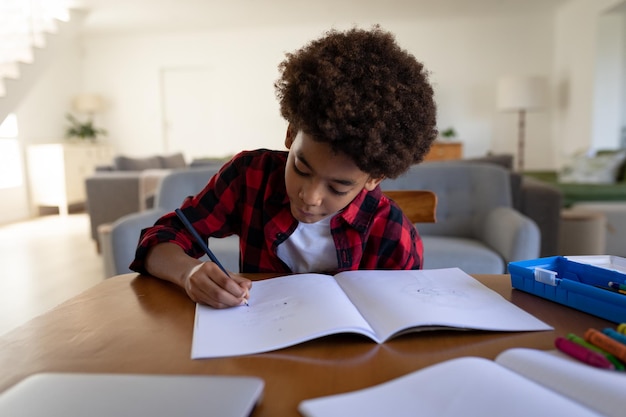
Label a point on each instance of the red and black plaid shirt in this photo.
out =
(248, 198)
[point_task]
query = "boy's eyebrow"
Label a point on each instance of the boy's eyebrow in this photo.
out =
(337, 180)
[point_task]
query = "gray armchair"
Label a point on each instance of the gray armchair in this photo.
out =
(172, 190)
(477, 228)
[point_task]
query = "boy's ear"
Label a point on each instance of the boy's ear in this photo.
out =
(290, 136)
(372, 183)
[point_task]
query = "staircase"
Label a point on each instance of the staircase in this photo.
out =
(31, 31)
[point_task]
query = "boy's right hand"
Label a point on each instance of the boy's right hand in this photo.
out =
(206, 283)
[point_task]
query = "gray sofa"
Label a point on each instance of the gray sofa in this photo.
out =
(525, 211)
(128, 186)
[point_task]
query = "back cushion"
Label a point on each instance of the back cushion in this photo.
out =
(178, 185)
(466, 192)
(125, 163)
(174, 161)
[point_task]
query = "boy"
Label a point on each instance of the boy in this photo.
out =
(359, 109)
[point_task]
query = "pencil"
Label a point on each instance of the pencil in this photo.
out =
(200, 241)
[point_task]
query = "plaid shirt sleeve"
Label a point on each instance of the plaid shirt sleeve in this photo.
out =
(232, 201)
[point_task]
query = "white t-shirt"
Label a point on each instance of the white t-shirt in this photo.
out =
(310, 248)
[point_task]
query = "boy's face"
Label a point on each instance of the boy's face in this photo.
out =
(319, 181)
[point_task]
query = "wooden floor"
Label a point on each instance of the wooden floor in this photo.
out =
(44, 262)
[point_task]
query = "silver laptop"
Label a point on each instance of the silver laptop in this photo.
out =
(122, 395)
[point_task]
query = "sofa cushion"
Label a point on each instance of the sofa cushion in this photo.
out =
(125, 163)
(601, 168)
(173, 161)
(504, 160)
(470, 255)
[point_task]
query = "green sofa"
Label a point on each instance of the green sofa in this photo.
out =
(578, 192)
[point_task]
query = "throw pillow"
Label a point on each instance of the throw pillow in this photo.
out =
(174, 161)
(125, 163)
(602, 168)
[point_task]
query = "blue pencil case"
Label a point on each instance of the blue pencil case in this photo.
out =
(580, 282)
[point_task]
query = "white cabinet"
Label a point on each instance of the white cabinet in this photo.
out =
(57, 171)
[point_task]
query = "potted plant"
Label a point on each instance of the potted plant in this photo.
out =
(449, 133)
(82, 130)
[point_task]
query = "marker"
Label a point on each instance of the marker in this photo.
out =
(582, 354)
(622, 328)
(613, 287)
(614, 334)
(200, 242)
(617, 286)
(580, 341)
(605, 343)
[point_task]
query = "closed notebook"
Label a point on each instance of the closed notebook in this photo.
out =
(519, 383)
(124, 395)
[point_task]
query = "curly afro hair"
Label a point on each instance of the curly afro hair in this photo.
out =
(362, 94)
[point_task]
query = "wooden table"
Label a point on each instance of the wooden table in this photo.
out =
(136, 324)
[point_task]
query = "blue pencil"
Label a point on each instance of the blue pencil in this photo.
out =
(199, 240)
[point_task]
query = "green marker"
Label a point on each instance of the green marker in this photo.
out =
(619, 366)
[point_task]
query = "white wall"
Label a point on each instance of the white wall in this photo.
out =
(41, 116)
(464, 55)
(609, 81)
(576, 36)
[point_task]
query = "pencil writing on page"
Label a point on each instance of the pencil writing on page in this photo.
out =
(200, 242)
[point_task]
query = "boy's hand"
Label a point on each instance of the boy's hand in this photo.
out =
(206, 283)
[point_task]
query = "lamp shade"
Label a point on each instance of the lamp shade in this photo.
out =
(88, 103)
(521, 93)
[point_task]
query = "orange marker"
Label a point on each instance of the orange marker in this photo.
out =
(605, 343)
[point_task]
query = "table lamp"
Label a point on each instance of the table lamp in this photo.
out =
(88, 103)
(521, 94)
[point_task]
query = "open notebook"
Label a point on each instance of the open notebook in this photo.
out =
(124, 395)
(519, 383)
(288, 310)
